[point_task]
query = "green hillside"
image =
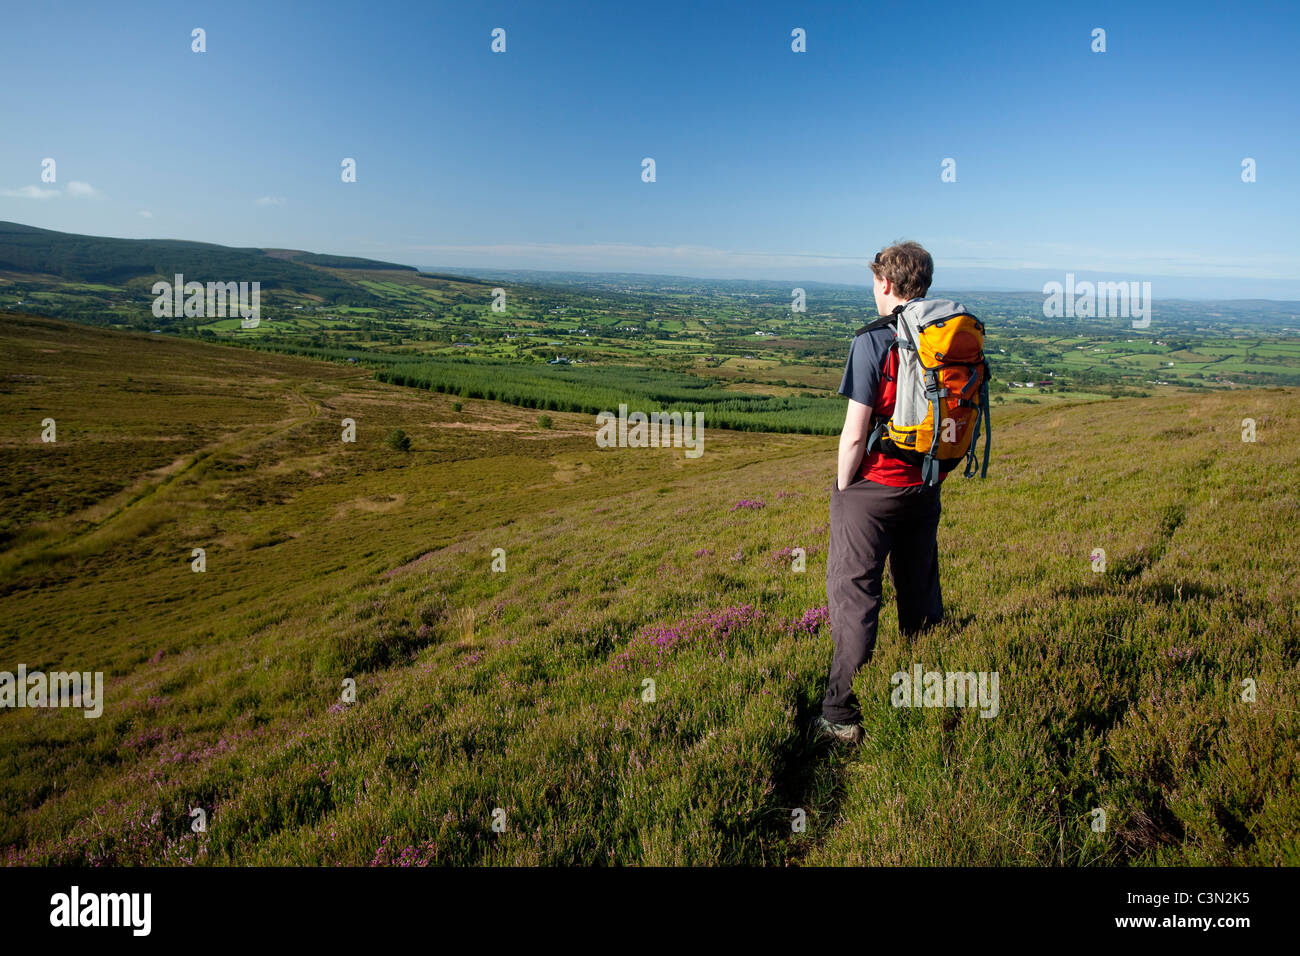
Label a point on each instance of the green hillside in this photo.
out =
(104, 260)
(519, 692)
(105, 281)
(336, 262)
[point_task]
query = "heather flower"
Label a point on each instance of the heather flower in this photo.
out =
(810, 622)
(410, 856)
(786, 555)
(466, 661)
(654, 643)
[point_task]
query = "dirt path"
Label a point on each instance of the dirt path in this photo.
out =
(152, 487)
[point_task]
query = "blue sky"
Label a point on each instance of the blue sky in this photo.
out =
(770, 163)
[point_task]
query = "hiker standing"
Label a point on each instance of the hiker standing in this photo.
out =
(921, 363)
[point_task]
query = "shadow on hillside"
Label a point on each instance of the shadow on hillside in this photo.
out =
(810, 776)
(951, 625)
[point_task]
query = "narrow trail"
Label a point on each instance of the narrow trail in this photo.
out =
(149, 489)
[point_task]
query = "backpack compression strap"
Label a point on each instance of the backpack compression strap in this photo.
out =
(969, 470)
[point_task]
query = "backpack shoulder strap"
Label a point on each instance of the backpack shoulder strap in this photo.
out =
(881, 322)
(878, 324)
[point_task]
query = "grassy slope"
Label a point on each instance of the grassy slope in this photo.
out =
(522, 690)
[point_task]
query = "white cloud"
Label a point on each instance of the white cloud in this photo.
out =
(83, 189)
(32, 192)
(146, 214)
(271, 201)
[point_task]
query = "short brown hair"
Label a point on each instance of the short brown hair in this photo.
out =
(908, 266)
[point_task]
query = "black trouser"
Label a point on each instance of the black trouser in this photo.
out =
(869, 521)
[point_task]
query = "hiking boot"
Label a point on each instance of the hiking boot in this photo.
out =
(847, 733)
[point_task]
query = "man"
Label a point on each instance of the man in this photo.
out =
(879, 505)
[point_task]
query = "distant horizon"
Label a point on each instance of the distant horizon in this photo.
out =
(480, 271)
(956, 279)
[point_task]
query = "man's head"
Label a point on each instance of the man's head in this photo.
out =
(902, 272)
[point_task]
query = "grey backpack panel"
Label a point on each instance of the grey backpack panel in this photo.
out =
(911, 405)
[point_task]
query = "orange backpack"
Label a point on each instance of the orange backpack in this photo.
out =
(941, 392)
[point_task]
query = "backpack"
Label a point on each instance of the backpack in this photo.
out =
(943, 377)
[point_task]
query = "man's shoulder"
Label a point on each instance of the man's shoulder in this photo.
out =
(881, 328)
(875, 342)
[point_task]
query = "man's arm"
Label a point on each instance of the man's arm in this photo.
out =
(852, 441)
